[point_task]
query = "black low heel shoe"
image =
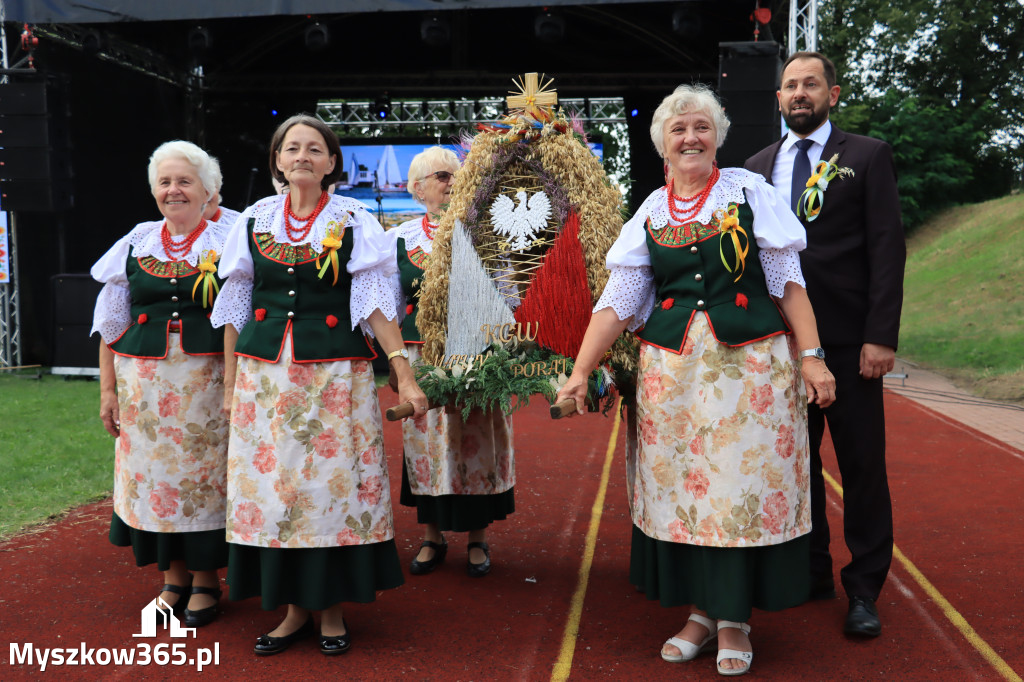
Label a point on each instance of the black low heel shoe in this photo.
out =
(423, 567)
(336, 644)
(182, 591)
(197, 619)
(479, 570)
(268, 646)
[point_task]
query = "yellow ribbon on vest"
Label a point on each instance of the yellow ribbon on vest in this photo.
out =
(207, 276)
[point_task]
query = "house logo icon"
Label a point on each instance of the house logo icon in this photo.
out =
(158, 610)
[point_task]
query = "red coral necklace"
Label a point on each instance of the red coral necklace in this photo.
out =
(299, 234)
(682, 215)
(428, 228)
(176, 251)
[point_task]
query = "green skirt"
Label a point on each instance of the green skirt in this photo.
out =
(725, 582)
(315, 578)
(204, 550)
(457, 513)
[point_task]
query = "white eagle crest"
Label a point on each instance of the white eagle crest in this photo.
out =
(520, 224)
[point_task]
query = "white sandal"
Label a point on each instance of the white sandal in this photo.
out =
(723, 654)
(689, 650)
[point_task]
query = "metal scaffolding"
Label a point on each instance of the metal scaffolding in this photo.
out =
(803, 26)
(363, 117)
(10, 312)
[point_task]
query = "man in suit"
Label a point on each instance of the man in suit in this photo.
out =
(853, 265)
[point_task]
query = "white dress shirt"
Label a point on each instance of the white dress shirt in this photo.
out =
(782, 174)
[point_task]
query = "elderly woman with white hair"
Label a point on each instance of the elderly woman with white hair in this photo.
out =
(459, 474)
(707, 273)
(162, 385)
(215, 213)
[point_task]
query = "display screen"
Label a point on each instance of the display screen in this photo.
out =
(377, 175)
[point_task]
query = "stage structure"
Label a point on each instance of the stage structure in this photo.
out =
(10, 337)
(803, 26)
(364, 117)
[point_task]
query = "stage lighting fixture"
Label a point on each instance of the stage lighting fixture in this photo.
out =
(633, 113)
(382, 106)
(92, 42)
(317, 37)
(548, 26)
(686, 22)
(199, 40)
(435, 30)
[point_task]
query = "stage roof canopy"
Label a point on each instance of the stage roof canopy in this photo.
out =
(99, 11)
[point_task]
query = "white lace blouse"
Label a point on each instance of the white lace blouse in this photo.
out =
(372, 265)
(112, 315)
(780, 237)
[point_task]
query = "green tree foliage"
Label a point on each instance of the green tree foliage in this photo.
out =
(942, 82)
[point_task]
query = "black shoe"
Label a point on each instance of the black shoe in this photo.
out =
(823, 588)
(336, 644)
(479, 570)
(862, 618)
(197, 619)
(177, 607)
(424, 567)
(267, 645)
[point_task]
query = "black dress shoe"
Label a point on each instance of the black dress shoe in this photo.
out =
(197, 619)
(333, 645)
(823, 588)
(479, 570)
(423, 567)
(862, 618)
(267, 645)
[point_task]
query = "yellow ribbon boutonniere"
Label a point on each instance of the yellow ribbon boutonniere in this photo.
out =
(208, 277)
(331, 244)
(729, 224)
(813, 198)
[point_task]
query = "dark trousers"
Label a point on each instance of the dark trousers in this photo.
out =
(856, 423)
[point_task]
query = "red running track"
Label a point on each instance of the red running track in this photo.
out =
(956, 495)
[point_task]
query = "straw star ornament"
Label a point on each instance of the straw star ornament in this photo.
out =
(532, 97)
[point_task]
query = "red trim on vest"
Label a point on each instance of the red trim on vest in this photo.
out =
(180, 332)
(288, 334)
(689, 322)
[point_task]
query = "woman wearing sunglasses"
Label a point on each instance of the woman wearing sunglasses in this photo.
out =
(458, 474)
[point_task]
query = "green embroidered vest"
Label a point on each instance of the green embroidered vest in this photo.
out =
(288, 296)
(161, 293)
(690, 277)
(411, 265)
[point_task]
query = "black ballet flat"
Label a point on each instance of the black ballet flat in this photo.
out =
(197, 619)
(336, 644)
(479, 570)
(268, 646)
(424, 567)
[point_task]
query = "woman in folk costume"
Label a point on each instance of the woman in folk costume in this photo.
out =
(162, 383)
(708, 273)
(309, 509)
(459, 474)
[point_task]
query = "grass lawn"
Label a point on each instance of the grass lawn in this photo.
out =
(963, 312)
(54, 452)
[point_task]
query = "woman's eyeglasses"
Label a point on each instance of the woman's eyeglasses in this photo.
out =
(442, 176)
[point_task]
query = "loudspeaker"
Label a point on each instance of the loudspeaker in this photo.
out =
(747, 82)
(74, 299)
(35, 157)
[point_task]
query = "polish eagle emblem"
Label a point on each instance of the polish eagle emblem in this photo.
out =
(519, 224)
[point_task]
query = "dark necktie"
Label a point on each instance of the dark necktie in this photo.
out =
(801, 171)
